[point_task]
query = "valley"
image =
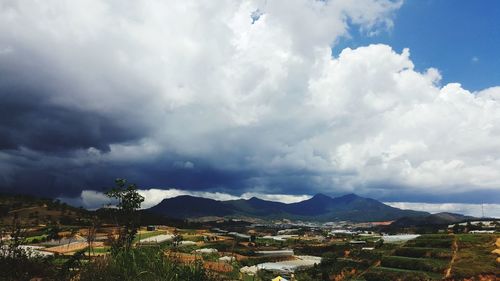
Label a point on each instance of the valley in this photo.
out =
(257, 249)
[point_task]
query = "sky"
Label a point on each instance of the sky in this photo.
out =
(393, 100)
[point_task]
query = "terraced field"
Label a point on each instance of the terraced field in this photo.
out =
(427, 257)
(475, 259)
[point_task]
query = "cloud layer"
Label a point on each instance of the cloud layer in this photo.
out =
(477, 210)
(233, 97)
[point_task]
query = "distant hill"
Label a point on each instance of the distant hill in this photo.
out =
(320, 208)
(31, 210)
(434, 219)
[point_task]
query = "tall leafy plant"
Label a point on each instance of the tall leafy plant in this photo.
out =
(128, 202)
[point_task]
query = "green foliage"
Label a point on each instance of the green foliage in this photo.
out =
(210, 257)
(312, 250)
(303, 276)
(334, 263)
(221, 246)
(70, 267)
(128, 202)
(329, 259)
(146, 263)
(17, 263)
(424, 258)
(474, 256)
(52, 232)
(36, 239)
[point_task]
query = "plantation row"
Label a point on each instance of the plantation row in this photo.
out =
(384, 274)
(475, 258)
(424, 258)
(430, 243)
(420, 264)
(414, 252)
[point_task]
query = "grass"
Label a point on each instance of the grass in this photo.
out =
(474, 256)
(37, 238)
(147, 264)
(100, 250)
(194, 238)
(249, 278)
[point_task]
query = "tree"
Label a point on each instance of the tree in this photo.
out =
(72, 234)
(128, 202)
(53, 232)
(91, 235)
(177, 238)
(16, 262)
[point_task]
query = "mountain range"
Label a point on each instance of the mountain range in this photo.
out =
(434, 219)
(318, 208)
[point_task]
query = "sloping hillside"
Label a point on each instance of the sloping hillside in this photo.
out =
(29, 210)
(434, 219)
(320, 207)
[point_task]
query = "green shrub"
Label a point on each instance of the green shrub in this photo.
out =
(19, 264)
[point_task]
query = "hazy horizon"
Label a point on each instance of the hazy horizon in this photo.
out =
(90, 199)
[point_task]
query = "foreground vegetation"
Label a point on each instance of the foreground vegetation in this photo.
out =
(137, 264)
(125, 263)
(147, 263)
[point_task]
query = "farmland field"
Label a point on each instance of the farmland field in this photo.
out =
(474, 257)
(426, 257)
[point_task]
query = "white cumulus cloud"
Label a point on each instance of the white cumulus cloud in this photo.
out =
(207, 84)
(477, 210)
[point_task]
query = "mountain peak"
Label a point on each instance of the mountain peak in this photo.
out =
(350, 196)
(321, 196)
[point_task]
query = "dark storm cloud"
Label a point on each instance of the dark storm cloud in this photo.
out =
(29, 119)
(197, 96)
(478, 196)
(29, 123)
